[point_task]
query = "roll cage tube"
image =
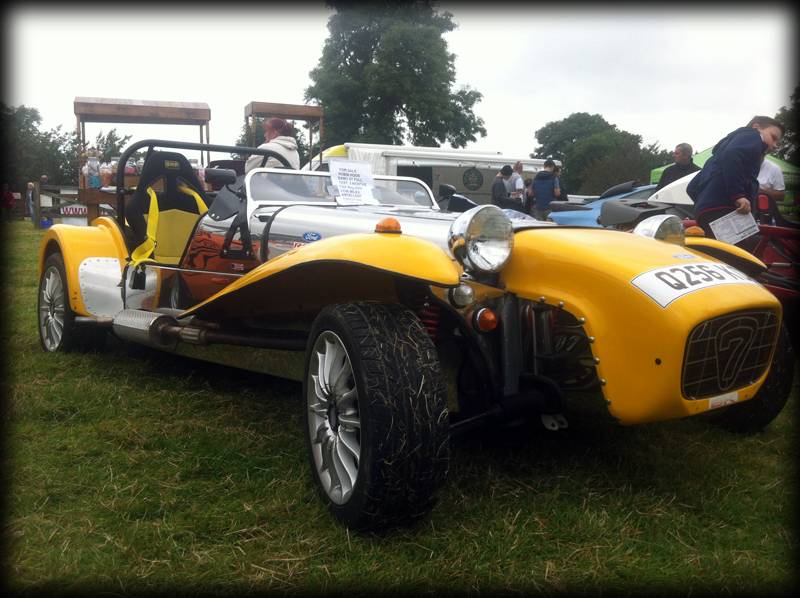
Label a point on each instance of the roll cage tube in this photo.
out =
(152, 143)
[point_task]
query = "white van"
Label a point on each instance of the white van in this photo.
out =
(470, 172)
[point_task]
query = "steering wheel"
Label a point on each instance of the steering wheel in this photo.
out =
(273, 154)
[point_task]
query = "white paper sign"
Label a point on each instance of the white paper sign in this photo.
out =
(352, 182)
(664, 285)
(733, 227)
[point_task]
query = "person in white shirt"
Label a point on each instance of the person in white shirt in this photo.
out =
(515, 186)
(770, 181)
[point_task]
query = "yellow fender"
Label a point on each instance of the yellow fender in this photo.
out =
(76, 243)
(637, 344)
(740, 258)
(341, 268)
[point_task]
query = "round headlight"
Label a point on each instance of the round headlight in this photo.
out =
(664, 227)
(482, 239)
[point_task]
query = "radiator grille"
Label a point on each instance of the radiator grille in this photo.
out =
(729, 352)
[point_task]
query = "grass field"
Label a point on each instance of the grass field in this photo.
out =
(132, 470)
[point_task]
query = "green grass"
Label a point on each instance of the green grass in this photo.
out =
(133, 470)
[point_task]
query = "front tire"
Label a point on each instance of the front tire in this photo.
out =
(377, 425)
(754, 415)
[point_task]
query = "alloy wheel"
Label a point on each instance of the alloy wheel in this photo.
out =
(51, 309)
(334, 422)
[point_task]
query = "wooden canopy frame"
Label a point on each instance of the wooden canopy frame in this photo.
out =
(108, 110)
(310, 114)
(113, 110)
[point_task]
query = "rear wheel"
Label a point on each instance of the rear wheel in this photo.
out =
(178, 296)
(376, 414)
(57, 328)
(754, 415)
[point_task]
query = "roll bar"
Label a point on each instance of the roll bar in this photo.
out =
(191, 145)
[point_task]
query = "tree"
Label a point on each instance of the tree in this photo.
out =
(596, 154)
(787, 116)
(32, 152)
(385, 76)
(110, 145)
(611, 157)
(556, 138)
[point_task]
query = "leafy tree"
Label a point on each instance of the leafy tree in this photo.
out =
(611, 157)
(31, 152)
(385, 76)
(596, 154)
(612, 150)
(110, 144)
(787, 116)
(557, 138)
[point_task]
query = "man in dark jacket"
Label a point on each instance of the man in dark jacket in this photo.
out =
(500, 196)
(728, 180)
(545, 189)
(683, 166)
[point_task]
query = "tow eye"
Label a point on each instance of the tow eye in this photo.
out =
(554, 421)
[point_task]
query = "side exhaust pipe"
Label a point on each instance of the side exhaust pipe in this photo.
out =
(164, 332)
(144, 327)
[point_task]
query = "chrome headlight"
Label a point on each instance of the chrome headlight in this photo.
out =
(664, 227)
(482, 239)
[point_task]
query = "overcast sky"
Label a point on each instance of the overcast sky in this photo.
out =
(670, 74)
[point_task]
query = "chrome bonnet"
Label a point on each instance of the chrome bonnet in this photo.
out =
(295, 225)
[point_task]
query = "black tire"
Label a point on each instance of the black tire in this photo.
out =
(400, 406)
(57, 329)
(754, 415)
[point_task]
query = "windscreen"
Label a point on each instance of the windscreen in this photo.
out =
(272, 186)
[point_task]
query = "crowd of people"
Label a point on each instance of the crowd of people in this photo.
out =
(730, 180)
(529, 196)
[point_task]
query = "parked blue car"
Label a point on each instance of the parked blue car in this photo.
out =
(587, 213)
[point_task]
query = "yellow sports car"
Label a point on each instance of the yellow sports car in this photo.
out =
(407, 323)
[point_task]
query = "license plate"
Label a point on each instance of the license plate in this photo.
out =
(665, 285)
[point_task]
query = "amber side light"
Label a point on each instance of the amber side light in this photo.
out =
(388, 225)
(694, 231)
(486, 320)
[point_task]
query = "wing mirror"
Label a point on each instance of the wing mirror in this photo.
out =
(446, 191)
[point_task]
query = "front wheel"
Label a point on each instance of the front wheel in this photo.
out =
(754, 415)
(376, 414)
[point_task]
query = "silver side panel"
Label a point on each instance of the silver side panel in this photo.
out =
(99, 279)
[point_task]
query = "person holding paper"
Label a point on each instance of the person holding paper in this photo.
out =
(728, 180)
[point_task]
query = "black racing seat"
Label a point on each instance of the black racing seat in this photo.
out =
(161, 229)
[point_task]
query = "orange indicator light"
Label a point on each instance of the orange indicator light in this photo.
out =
(694, 231)
(388, 225)
(486, 320)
